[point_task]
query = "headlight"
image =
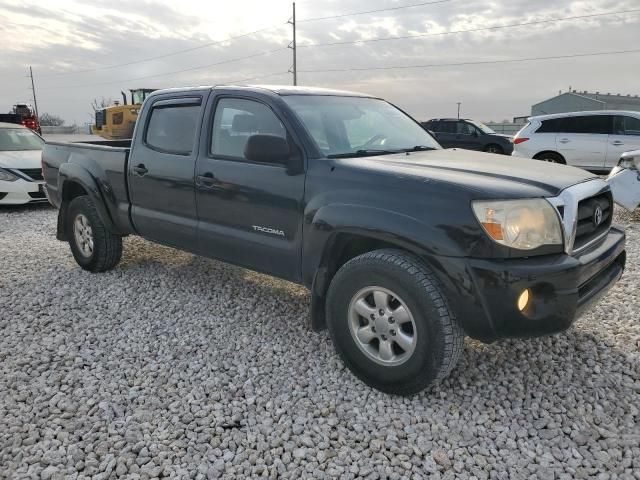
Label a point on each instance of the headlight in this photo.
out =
(7, 176)
(521, 224)
(630, 160)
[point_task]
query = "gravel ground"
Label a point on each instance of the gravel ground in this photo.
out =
(177, 366)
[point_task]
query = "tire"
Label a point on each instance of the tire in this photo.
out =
(105, 247)
(550, 157)
(493, 148)
(436, 337)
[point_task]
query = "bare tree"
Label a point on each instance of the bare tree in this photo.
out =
(99, 104)
(50, 120)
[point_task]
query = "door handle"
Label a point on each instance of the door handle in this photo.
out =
(564, 140)
(140, 169)
(205, 180)
(617, 143)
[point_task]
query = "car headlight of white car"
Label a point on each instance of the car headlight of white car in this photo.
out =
(520, 224)
(630, 160)
(7, 176)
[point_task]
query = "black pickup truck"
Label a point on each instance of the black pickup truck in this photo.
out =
(405, 247)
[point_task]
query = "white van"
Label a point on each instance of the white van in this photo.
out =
(590, 140)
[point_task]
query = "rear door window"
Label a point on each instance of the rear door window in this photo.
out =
(172, 128)
(591, 124)
(447, 127)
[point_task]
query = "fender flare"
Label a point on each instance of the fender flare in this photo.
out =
(71, 173)
(328, 222)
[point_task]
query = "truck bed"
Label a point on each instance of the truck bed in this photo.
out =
(107, 161)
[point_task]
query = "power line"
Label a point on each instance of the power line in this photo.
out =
(470, 30)
(481, 62)
(177, 52)
(266, 75)
(401, 7)
(223, 62)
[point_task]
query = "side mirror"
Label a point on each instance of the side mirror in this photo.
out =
(475, 133)
(267, 149)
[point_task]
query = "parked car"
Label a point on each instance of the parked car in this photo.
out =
(624, 180)
(405, 246)
(21, 178)
(590, 140)
(468, 134)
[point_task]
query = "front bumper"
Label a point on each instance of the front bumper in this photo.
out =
(20, 192)
(484, 293)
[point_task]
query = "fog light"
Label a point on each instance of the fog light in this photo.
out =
(523, 299)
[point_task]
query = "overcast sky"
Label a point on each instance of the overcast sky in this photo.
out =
(76, 49)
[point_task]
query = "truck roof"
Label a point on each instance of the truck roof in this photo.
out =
(277, 89)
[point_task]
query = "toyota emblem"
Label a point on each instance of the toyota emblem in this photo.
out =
(597, 216)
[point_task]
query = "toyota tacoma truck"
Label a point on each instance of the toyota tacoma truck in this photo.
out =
(405, 247)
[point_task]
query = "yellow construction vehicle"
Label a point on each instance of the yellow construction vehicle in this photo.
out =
(116, 122)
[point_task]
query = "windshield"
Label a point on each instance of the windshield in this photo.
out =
(19, 139)
(482, 126)
(351, 126)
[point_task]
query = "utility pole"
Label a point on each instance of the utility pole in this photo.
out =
(33, 89)
(292, 46)
(459, 103)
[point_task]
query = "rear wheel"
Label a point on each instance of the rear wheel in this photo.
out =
(390, 322)
(493, 148)
(550, 157)
(94, 247)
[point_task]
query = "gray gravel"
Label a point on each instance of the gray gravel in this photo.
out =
(177, 366)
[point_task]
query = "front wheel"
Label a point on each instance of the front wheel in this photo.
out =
(391, 324)
(94, 247)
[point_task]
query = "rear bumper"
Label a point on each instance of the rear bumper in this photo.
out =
(562, 287)
(21, 192)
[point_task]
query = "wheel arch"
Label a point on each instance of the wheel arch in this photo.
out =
(341, 247)
(539, 154)
(74, 181)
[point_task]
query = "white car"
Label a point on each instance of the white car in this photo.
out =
(590, 140)
(21, 178)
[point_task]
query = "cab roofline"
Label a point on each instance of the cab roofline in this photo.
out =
(282, 90)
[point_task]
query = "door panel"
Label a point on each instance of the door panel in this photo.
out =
(249, 213)
(161, 174)
(626, 137)
(582, 140)
(582, 149)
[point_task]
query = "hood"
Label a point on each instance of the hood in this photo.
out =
(20, 158)
(488, 175)
(502, 135)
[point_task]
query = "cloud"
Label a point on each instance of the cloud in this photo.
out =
(73, 36)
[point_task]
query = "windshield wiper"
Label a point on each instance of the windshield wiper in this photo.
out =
(362, 153)
(417, 148)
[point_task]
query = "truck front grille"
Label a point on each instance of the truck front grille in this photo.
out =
(593, 219)
(32, 173)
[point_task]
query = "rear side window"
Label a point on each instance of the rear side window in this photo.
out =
(172, 128)
(591, 124)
